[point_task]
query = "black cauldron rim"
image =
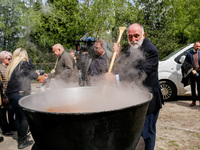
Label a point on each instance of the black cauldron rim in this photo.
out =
(108, 124)
(79, 113)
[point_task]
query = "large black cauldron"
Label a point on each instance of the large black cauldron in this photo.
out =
(114, 128)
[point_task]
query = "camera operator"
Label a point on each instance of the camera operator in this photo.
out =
(85, 56)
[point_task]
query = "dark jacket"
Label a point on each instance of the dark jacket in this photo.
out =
(189, 58)
(150, 67)
(186, 69)
(90, 58)
(145, 69)
(21, 78)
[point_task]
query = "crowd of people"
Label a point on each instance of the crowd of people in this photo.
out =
(16, 73)
(86, 69)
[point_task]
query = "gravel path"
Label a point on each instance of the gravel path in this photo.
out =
(178, 126)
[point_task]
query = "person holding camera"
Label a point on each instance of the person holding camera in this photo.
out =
(65, 72)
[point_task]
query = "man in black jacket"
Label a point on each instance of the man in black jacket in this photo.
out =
(193, 58)
(142, 58)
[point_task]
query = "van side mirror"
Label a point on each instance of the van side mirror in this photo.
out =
(182, 59)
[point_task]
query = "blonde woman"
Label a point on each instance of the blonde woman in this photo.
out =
(19, 74)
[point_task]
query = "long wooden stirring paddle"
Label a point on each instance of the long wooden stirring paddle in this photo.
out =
(121, 30)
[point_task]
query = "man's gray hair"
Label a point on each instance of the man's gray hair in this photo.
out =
(141, 26)
(5, 54)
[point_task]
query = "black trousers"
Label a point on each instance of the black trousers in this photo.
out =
(195, 82)
(21, 122)
(3, 121)
(149, 130)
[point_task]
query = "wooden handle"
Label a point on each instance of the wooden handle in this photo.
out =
(121, 30)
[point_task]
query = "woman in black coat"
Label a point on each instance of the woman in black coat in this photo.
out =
(19, 75)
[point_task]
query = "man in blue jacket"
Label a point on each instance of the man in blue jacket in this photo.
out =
(193, 58)
(140, 65)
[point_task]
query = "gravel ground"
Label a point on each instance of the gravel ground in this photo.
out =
(178, 126)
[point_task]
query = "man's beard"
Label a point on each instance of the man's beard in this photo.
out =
(136, 44)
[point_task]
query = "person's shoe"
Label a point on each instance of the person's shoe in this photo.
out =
(7, 133)
(24, 144)
(1, 138)
(28, 137)
(192, 104)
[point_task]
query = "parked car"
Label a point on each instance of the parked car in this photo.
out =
(170, 75)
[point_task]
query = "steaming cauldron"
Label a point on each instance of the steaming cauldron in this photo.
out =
(110, 128)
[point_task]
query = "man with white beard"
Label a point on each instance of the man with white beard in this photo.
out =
(139, 65)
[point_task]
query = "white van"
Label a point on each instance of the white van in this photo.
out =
(170, 75)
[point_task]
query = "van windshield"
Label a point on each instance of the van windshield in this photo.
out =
(173, 53)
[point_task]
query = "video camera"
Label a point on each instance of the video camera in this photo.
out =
(87, 47)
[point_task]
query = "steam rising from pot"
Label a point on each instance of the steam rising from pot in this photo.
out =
(130, 92)
(87, 100)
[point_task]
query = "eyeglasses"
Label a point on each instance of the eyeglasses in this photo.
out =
(9, 59)
(96, 47)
